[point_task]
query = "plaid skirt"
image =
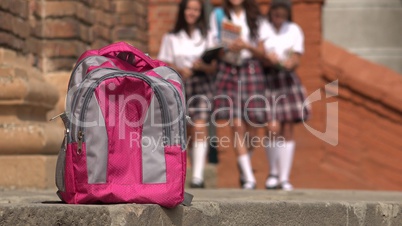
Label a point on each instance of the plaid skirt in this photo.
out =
(239, 92)
(199, 96)
(286, 96)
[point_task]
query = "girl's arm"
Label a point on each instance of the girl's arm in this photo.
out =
(257, 52)
(292, 62)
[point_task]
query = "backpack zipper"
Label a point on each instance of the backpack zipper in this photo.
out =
(166, 118)
(76, 97)
(182, 131)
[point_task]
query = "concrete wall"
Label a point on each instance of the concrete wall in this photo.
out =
(371, 29)
(55, 33)
(40, 40)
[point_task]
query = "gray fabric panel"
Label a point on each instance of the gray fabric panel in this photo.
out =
(175, 114)
(76, 110)
(169, 73)
(60, 166)
(96, 141)
(153, 153)
(82, 67)
(80, 71)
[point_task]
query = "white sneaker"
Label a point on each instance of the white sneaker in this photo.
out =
(272, 182)
(249, 186)
(286, 186)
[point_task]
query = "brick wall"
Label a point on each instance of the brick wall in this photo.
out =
(369, 153)
(161, 18)
(52, 34)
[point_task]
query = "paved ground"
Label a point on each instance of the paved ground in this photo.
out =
(213, 207)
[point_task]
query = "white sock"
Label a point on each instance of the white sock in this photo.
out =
(250, 155)
(285, 160)
(245, 166)
(272, 152)
(200, 150)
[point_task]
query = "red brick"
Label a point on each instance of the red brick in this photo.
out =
(101, 32)
(129, 7)
(10, 40)
(56, 9)
(66, 28)
(61, 48)
(102, 18)
(393, 97)
(19, 8)
(342, 174)
(87, 14)
(14, 25)
(57, 64)
(105, 5)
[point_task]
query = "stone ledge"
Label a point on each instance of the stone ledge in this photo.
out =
(213, 207)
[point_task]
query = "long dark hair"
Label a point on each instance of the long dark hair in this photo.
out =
(181, 22)
(280, 5)
(252, 15)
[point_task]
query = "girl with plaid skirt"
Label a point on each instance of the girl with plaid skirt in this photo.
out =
(285, 93)
(240, 85)
(181, 49)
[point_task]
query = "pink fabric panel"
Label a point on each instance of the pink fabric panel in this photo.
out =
(168, 195)
(69, 194)
(142, 62)
(124, 110)
(176, 84)
(104, 65)
(153, 74)
(80, 165)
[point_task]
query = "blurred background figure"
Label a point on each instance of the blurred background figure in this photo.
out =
(285, 93)
(181, 49)
(239, 75)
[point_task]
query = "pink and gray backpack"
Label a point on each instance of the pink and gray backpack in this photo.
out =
(125, 137)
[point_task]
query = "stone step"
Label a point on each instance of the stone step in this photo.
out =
(213, 207)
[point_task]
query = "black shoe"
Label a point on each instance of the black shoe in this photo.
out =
(195, 185)
(241, 181)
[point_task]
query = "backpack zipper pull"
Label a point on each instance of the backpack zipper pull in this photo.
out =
(80, 136)
(66, 132)
(59, 115)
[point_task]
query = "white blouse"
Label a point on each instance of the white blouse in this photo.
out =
(241, 21)
(181, 50)
(288, 39)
